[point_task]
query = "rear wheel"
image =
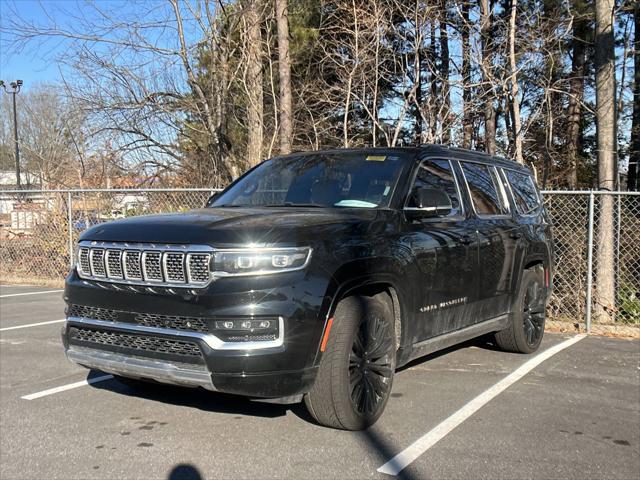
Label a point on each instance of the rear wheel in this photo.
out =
(526, 328)
(357, 368)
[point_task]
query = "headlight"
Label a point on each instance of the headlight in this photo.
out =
(259, 261)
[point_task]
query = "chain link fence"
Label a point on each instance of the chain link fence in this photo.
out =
(39, 228)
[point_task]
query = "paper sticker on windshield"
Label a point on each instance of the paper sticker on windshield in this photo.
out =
(376, 158)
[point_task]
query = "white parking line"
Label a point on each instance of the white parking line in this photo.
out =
(31, 325)
(64, 388)
(29, 293)
(429, 439)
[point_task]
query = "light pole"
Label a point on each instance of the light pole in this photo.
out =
(14, 90)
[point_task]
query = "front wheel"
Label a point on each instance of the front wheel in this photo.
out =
(526, 328)
(356, 372)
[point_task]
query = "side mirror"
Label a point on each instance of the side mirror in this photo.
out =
(430, 202)
(211, 199)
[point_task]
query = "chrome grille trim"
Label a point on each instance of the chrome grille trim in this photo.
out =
(114, 265)
(152, 266)
(211, 340)
(166, 265)
(96, 261)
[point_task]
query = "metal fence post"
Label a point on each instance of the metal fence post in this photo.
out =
(70, 228)
(589, 262)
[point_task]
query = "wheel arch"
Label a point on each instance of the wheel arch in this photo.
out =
(382, 286)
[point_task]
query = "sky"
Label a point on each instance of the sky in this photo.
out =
(33, 65)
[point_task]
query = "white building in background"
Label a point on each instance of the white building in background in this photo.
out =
(14, 213)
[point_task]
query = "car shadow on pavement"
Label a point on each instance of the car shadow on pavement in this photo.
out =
(192, 397)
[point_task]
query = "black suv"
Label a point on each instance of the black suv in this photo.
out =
(315, 275)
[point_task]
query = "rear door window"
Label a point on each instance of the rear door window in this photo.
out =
(437, 174)
(525, 193)
(484, 188)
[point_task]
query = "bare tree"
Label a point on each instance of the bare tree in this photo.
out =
(284, 71)
(515, 92)
(252, 20)
(488, 78)
(576, 90)
(633, 182)
(607, 151)
(467, 116)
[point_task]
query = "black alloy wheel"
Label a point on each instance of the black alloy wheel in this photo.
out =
(370, 365)
(533, 315)
(356, 371)
(526, 323)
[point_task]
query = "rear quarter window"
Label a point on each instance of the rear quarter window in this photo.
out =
(484, 188)
(525, 193)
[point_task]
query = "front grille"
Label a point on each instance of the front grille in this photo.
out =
(192, 324)
(174, 267)
(151, 266)
(114, 264)
(198, 267)
(135, 342)
(97, 262)
(83, 261)
(132, 268)
(94, 313)
(169, 265)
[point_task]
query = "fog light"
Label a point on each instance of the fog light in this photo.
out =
(246, 330)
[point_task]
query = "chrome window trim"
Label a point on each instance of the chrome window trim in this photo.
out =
(211, 340)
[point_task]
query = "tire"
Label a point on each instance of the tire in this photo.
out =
(356, 371)
(526, 327)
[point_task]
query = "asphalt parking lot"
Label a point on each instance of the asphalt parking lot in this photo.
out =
(575, 414)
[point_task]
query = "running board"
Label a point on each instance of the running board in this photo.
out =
(446, 340)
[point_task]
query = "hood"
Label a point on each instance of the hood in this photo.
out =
(229, 227)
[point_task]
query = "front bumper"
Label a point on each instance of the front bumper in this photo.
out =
(283, 367)
(140, 367)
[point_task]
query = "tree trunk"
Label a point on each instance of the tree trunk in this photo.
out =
(487, 78)
(255, 94)
(418, 123)
(633, 183)
(434, 98)
(284, 72)
(515, 93)
(606, 137)
(444, 74)
(467, 119)
(576, 91)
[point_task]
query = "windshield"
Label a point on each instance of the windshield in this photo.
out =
(349, 179)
